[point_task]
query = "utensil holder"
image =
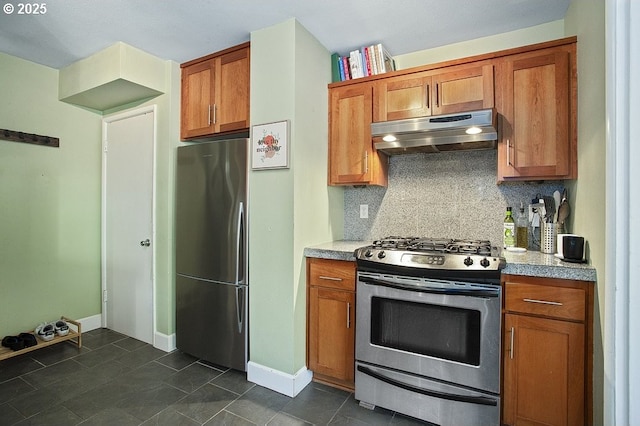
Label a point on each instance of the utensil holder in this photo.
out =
(549, 232)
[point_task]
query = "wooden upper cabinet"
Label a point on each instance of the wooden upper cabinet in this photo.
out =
(536, 100)
(403, 97)
(215, 93)
(463, 88)
(352, 158)
(444, 91)
(532, 88)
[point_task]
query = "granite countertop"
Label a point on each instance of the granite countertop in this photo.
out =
(336, 250)
(537, 264)
(531, 263)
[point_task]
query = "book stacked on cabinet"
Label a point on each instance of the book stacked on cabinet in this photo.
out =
(366, 61)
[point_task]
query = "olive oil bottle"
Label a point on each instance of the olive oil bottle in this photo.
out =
(509, 234)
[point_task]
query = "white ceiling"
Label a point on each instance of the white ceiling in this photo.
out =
(182, 30)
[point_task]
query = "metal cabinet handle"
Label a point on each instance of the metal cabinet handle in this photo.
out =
(542, 302)
(427, 96)
(322, 277)
(509, 153)
(366, 162)
(348, 315)
(214, 113)
(209, 116)
(511, 344)
(145, 243)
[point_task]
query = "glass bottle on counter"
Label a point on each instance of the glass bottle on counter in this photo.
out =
(509, 232)
(522, 229)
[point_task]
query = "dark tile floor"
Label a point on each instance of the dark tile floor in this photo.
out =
(117, 380)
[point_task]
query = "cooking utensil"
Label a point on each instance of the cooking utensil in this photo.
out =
(549, 207)
(556, 199)
(563, 212)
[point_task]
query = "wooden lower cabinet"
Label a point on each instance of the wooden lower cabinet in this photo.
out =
(547, 351)
(331, 321)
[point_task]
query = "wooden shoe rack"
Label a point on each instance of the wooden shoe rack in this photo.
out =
(75, 336)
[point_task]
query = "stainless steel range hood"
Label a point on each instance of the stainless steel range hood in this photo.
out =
(451, 132)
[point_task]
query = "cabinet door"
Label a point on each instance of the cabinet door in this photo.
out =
(402, 97)
(537, 104)
(445, 91)
(198, 94)
(543, 372)
(231, 111)
(464, 88)
(352, 158)
(331, 347)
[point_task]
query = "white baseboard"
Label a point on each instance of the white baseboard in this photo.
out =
(91, 323)
(161, 341)
(164, 342)
(278, 381)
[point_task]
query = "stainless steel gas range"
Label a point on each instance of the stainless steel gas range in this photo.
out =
(428, 329)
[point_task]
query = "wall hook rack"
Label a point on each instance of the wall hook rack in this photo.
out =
(15, 136)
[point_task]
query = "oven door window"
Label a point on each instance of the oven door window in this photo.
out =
(437, 331)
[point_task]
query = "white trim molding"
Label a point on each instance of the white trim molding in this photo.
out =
(622, 318)
(164, 342)
(286, 384)
(91, 323)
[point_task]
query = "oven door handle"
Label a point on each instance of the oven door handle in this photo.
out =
(480, 400)
(444, 291)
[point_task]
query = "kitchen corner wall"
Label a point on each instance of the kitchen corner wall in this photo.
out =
(291, 208)
(448, 195)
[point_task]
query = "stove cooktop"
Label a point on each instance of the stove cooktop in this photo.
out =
(424, 256)
(437, 245)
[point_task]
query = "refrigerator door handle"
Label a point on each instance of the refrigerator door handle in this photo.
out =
(240, 306)
(240, 245)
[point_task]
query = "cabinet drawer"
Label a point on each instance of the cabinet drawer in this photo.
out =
(339, 274)
(558, 302)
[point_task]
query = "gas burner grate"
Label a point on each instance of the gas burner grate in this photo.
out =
(438, 245)
(393, 242)
(435, 245)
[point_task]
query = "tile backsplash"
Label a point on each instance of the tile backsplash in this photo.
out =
(448, 195)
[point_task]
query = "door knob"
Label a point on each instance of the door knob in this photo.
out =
(145, 243)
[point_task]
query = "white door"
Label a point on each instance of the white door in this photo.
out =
(127, 223)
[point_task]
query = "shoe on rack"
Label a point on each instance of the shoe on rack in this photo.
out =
(45, 332)
(61, 328)
(14, 343)
(28, 339)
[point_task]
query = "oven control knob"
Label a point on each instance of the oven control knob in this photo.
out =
(484, 262)
(381, 254)
(368, 253)
(468, 261)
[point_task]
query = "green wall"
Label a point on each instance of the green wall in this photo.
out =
(289, 208)
(536, 34)
(49, 202)
(588, 192)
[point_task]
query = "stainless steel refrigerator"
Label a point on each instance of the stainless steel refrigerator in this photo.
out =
(212, 291)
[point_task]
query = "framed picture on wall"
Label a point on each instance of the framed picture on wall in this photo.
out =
(270, 145)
